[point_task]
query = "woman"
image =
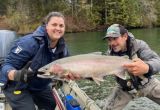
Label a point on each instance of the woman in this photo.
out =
(23, 89)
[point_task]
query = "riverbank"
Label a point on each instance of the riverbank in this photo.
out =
(4, 25)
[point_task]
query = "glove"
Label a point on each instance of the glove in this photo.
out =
(23, 74)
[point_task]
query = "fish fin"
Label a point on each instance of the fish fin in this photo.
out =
(97, 82)
(121, 75)
(125, 56)
(98, 79)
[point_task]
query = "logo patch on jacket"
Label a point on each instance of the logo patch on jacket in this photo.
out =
(18, 50)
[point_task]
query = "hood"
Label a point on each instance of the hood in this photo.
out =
(40, 31)
(131, 35)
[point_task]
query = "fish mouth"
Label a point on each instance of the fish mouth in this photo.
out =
(52, 77)
(46, 76)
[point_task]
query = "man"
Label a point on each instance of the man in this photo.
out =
(145, 64)
(22, 88)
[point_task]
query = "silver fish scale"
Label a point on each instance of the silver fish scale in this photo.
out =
(91, 65)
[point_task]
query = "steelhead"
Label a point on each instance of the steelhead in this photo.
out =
(88, 66)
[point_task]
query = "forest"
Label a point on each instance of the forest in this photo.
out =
(24, 16)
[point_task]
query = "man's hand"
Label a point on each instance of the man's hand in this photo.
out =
(138, 67)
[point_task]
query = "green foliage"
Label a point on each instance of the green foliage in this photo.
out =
(82, 15)
(157, 6)
(3, 6)
(125, 12)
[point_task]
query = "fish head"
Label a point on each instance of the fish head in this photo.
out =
(43, 70)
(54, 69)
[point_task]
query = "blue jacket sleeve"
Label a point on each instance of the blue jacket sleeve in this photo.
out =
(21, 52)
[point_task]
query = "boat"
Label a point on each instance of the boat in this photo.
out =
(68, 97)
(4, 105)
(70, 90)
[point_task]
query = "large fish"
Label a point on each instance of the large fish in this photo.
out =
(88, 66)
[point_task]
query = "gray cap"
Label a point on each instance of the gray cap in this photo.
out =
(113, 31)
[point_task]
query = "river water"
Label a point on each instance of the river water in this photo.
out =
(86, 42)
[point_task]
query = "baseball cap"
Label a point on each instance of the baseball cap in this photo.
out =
(115, 30)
